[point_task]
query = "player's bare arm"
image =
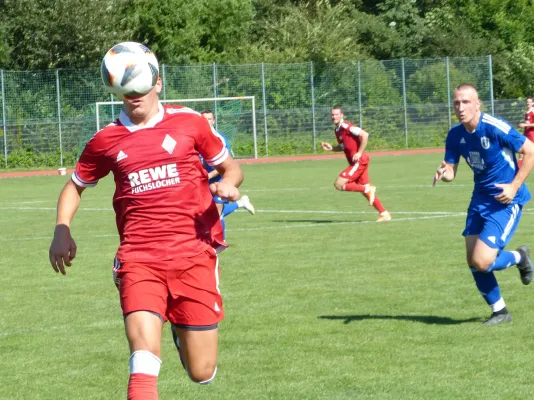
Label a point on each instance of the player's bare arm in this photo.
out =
(63, 248)
(364, 138)
(445, 172)
(509, 190)
(328, 147)
(227, 187)
(213, 174)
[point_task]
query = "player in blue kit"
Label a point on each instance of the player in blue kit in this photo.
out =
(225, 207)
(488, 145)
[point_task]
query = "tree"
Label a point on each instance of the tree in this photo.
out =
(42, 34)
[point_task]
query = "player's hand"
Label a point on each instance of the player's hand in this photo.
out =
(439, 173)
(522, 124)
(356, 157)
(225, 191)
(326, 146)
(62, 250)
(508, 193)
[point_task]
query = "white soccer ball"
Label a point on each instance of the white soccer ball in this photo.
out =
(129, 69)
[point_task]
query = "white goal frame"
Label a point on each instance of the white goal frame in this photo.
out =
(98, 104)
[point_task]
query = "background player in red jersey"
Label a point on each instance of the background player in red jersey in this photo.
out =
(166, 266)
(528, 125)
(355, 178)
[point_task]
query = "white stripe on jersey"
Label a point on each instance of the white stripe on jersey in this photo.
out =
(80, 182)
(219, 158)
(503, 126)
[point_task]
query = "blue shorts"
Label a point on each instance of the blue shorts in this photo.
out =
(494, 223)
(218, 200)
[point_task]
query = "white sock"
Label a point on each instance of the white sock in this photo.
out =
(517, 256)
(144, 362)
(498, 306)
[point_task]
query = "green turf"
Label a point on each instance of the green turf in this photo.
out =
(321, 302)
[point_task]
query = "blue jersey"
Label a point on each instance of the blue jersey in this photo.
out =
(210, 168)
(490, 152)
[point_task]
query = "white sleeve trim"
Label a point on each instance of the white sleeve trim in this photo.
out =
(355, 130)
(80, 182)
(219, 158)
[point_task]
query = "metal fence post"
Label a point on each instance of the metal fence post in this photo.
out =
(404, 102)
(264, 108)
(215, 95)
(360, 92)
(313, 108)
(164, 81)
(491, 84)
(4, 115)
(448, 91)
(59, 119)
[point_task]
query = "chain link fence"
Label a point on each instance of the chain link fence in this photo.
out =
(47, 116)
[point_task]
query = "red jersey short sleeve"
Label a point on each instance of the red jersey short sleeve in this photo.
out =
(164, 208)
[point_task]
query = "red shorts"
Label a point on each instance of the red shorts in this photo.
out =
(530, 135)
(183, 291)
(357, 173)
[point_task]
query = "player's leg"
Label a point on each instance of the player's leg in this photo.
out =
(488, 252)
(143, 330)
(143, 296)
(195, 311)
(198, 349)
(362, 177)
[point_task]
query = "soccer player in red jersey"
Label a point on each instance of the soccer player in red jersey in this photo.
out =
(352, 140)
(166, 267)
(528, 125)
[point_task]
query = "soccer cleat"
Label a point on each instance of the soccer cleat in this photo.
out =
(498, 318)
(245, 201)
(525, 265)
(385, 216)
(177, 344)
(371, 194)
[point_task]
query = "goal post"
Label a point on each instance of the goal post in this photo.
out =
(235, 118)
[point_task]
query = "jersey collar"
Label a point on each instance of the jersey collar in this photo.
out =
(128, 124)
(339, 126)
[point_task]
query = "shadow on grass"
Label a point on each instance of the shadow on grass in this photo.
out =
(315, 221)
(425, 319)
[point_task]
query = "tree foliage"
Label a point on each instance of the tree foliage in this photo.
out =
(42, 34)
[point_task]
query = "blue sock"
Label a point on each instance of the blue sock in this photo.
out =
(487, 286)
(223, 222)
(505, 259)
(229, 208)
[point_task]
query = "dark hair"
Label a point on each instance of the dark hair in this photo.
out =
(207, 111)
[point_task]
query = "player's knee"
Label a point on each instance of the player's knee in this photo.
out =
(479, 264)
(203, 374)
(339, 185)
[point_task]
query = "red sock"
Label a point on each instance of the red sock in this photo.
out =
(378, 205)
(354, 187)
(142, 387)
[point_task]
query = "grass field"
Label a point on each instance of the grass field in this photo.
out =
(321, 302)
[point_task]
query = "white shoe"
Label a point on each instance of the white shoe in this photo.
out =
(245, 203)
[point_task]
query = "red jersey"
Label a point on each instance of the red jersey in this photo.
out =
(164, 208)
(348, 137)
(529, 119)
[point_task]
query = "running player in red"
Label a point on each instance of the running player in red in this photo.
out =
(528, 125)
(355, 178)
(166, 266)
